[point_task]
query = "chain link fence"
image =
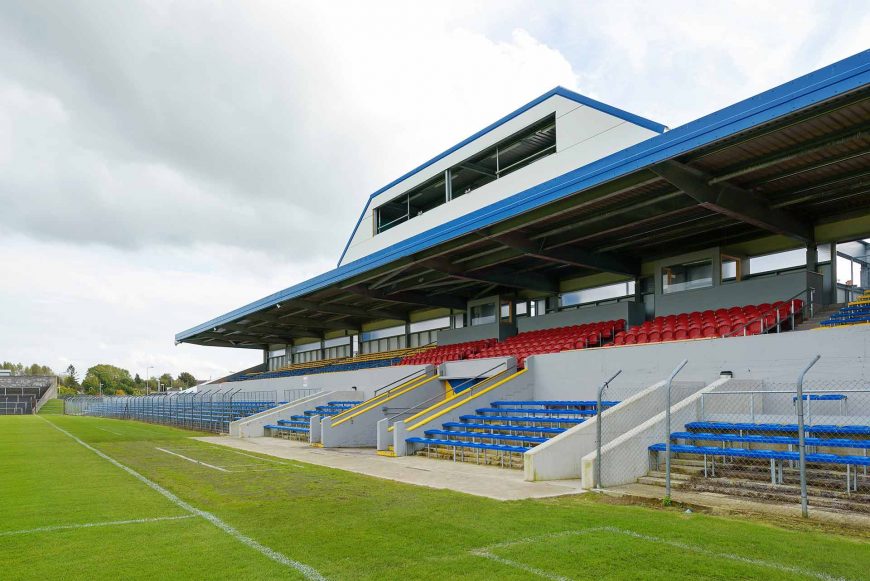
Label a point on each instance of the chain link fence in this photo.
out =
(748, 441)
(208, 411)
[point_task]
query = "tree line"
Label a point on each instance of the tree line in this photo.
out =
(105, 379)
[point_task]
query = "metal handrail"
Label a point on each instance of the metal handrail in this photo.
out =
(809, 291)
(423, 405)
(401, 380)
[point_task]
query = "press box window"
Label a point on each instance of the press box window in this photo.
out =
(687, 276)
(483, 314)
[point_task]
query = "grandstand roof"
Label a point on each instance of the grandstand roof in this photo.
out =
(789, 162)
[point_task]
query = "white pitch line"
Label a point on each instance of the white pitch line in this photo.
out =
(306, 570)
(486, 552)
(110, 431)
(195, 461)
(94, 524)
(265, 459)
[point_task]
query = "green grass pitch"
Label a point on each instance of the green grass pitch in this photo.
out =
(343, 525)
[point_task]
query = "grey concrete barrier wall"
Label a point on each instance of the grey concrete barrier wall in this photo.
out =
(50, 393)
(629, 310)
(515, 389)
(252, 426)
(361, 430)
(774, 357)
(767, 289)
(560, 457)
(500, 331)
(365, 380)
(469, 368)
(626, 458)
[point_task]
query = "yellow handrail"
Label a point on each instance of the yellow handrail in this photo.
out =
(447, 399)
(374, 399)
(375, 402)
(466, 400)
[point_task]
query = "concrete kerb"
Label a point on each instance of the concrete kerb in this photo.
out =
(625, 459)
(252, 426)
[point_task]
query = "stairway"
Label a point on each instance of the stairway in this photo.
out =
(298, 427)
(821, 314)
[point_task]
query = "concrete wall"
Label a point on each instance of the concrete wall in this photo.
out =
(781, 356)
(500, 331)
(766, 289)
(361, 430)
(365, 380)
(560, 457)
(628, 310)
(474, 367)
(626, 458)
(252, 426)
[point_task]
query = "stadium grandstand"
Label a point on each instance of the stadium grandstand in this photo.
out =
(483, 298)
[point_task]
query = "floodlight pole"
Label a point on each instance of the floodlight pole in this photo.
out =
(802, 448)
(598, 430)
(674, 373)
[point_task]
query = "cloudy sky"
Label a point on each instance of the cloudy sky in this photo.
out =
(164, 162)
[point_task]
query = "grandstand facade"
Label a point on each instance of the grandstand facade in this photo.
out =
(483, 297)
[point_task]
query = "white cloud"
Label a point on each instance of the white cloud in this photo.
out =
(162, 162)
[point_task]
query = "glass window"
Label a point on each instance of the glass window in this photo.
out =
(511, 154)
(483, 314)
(596, 294)
(687, 276)
(778, 261)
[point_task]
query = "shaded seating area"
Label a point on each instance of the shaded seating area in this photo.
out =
(731, 322)
(366, 361)
(442, 353)
(501, 433)
(555, 340)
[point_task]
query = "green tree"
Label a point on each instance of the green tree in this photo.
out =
(113, 379)
(72, 378)
(186, 379)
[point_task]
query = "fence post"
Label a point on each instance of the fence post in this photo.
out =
(674, 373)
(598, 430)
(802, 450)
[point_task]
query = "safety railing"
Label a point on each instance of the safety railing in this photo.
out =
(424, 406)
(209, 411)
(763, 317)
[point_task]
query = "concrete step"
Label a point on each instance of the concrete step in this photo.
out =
(674, 475)
(820, 315)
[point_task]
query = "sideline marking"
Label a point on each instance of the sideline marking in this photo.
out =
(308, 571)
(192, 460)
(258, 458)
(486, 552)
(110, 431)
(94, 524)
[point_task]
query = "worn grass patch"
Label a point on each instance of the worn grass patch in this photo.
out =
(348, 526)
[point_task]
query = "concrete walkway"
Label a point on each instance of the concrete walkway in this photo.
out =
(487, 481)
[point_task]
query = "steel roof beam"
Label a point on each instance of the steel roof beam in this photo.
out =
(495, 275)
(414, 298)
(732, 201)
(349, 310)
(601, 261)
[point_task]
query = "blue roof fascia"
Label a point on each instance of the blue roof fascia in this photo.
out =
(838, 78)
(560, 91)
